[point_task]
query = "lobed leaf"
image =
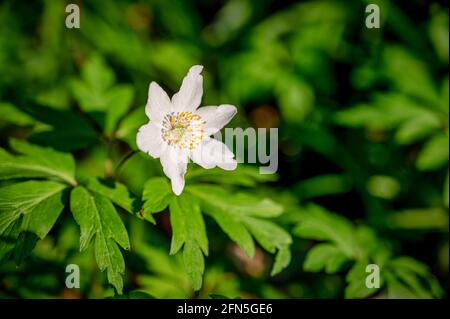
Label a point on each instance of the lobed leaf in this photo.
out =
(97, 217)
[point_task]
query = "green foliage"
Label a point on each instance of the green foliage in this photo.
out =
(188, 231)
(97, 96)
(34, 162)
(242, 216)
(344, 245)
(363, 131)
(27, 209)
(63, 130)
(98, 219)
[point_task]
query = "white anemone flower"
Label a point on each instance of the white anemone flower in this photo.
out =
(179, 130)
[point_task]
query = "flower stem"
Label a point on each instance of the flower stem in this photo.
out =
(122, 162)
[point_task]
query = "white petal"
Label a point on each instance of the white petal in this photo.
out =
(158, 103)
(149, 140)
(216, 117)
(191, 91)
(211, 153)
(174, 163)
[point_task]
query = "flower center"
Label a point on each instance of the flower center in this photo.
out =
(182, 129)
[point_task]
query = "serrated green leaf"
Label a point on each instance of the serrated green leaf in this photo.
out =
(28, 211)
(36, 161)
(8, 239)
(241, 215)
(96, 216)
(179, 227)
(229, 222)
(269, 235)
(232, 226)
(194, 263)
(119, 194)
(40, 203)
(188, 231)
(187, 223)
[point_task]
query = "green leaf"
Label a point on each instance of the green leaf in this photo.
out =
(232, 226)
(446, 194)
(118, 101)
(383, 186)
(28, 211)
(238, 203)
(326, 256)
(411, 264)
(194, 263)
(269, 235)
(296, 99)
(215, 206)
(188, 229)
(24, 246)
(408, 74)
(389, 111)
(35, 162)
(438, 31)
(417, 128)
(96, 73)
(128, 127)
(397, 290)
(318, 224)
(323, 185)
(119, 195)
(243, 176)
(356, 279)
(8, 239)
(427, 218)
(40, 203)
(11, 114)
(69, 131)
(282, 260)
(434, 154)
(242, 215)
(97, 96)
(157, 195)
(96, 216)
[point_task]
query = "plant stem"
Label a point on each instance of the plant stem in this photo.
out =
(122, 162)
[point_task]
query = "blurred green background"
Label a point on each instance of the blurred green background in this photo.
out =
(363, 133)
